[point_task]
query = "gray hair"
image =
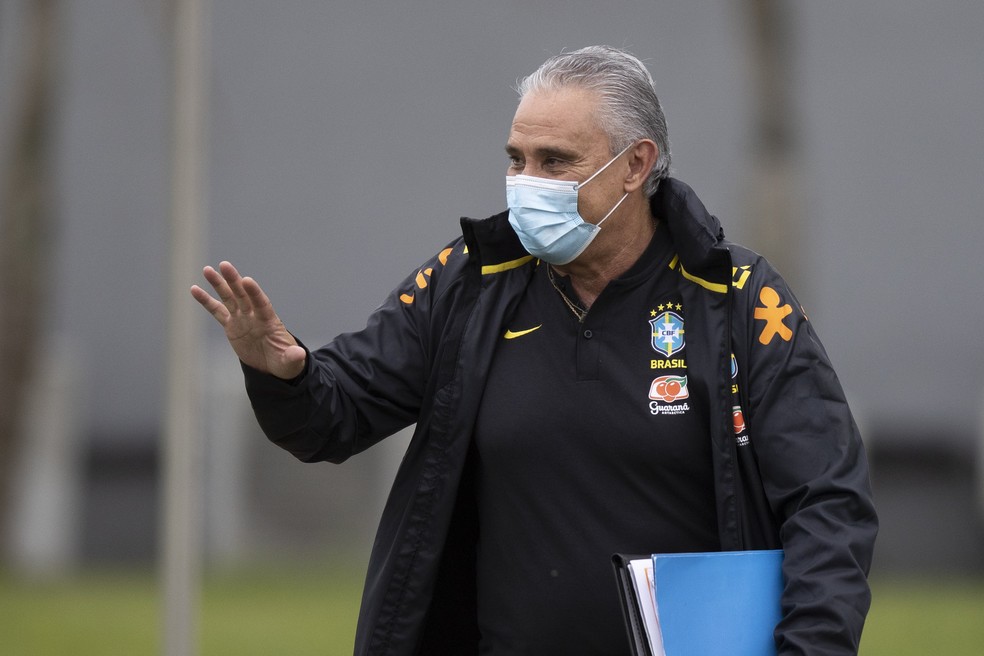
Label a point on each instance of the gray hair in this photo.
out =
(629, 108)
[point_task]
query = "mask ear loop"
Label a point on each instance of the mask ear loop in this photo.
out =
(612, 211)
(598, 172)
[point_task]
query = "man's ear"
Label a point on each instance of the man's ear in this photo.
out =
(642, 158)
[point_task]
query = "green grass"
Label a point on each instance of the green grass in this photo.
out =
(256, 612)
(942, 616)
(312, 611)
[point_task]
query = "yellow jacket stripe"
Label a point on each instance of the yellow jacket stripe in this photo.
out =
(706, 284)
(505, 266)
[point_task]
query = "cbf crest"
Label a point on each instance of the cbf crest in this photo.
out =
(668, 333)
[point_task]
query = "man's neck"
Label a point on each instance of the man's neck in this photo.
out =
(592, 271)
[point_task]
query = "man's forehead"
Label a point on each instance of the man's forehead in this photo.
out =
(562, 118)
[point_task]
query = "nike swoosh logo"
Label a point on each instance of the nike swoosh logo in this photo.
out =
(519, 333)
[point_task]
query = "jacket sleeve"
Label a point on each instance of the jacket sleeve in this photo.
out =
(362, 386)
(813, 467)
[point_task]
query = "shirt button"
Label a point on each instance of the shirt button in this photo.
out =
(588, 334)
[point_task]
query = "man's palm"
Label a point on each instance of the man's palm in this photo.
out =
(253, 329)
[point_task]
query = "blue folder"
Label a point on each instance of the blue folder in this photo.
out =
(718, 603)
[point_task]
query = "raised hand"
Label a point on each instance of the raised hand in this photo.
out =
(253, 329)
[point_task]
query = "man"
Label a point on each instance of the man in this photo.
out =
(596, 370)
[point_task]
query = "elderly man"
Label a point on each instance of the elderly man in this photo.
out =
(595, 370)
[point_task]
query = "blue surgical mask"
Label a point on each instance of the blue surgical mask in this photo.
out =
(543, 212)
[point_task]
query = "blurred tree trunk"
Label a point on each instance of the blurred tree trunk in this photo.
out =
(772, 195)
(25, 227)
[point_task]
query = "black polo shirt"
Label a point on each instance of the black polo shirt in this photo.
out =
(590, 441)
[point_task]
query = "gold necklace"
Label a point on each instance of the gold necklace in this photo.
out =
(576, 309)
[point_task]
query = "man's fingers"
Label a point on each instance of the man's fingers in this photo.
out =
(221, 287)
(258, 299)
(214, 307)
(228, 284)
(236, 293)
(235, 283)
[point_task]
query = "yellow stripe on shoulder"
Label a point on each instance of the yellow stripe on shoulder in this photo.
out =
(706, 284)
(505, 266)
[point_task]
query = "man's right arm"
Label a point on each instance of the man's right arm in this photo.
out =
(333, 402)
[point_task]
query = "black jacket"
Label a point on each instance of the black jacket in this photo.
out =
(798, 481)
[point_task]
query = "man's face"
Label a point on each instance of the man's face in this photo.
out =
(555, 134)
